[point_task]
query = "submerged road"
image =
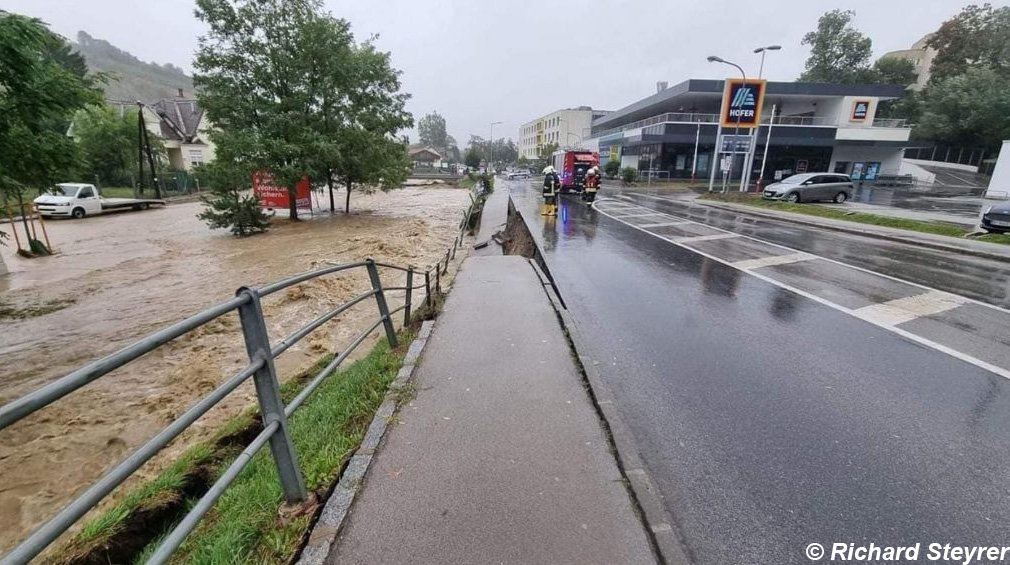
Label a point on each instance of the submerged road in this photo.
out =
(779, 398)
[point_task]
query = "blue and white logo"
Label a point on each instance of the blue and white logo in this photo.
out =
(744, 97)
(743, 104)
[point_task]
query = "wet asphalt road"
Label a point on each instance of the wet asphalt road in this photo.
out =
(978, 278)
(769, 420)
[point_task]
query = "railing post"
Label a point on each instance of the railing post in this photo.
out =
(268, 392)
(410, 292)
(427, 288)
(380, 300)
(454, 244)
(438, 277)
(446, 262)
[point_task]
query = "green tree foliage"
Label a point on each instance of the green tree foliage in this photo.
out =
(545, 153)
(838, 52)
(629, 175)
(979, 36)
(612, 168)
(107, 140)
(231, 204)
(971, 109)
(893, 70)
(431, 131)
(370, 156)
(291, 93)
(472, 158)
(505, 150)
(38, 97)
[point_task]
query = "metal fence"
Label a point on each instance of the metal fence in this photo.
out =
(973, 156)
(261, 353)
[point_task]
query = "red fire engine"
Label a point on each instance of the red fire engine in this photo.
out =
(572, 166)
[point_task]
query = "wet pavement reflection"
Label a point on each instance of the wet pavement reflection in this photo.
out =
(766, 420)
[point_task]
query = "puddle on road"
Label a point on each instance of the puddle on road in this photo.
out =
(131, 274)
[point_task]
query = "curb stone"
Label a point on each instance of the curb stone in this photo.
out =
(660, 525)
(334, 513)
(862, 232)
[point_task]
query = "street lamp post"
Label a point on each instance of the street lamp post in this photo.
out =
(490, 159)
(736, 133)
(757, 131)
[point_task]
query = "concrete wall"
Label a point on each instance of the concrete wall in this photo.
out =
(909, 167)
(872, 134)
(890, 158)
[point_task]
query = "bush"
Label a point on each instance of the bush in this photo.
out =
(629, 175)
(612, 168)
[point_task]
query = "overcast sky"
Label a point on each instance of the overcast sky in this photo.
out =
(478, 61)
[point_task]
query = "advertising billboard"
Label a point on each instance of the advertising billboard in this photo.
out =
(272, 196)
(742, 102)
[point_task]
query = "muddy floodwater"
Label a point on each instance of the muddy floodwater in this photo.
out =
(130, 274)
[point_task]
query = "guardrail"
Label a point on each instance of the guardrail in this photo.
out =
(260, 369)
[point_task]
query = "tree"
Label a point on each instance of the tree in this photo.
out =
(107, 140)
(260, 72)
(431, 131)
(370, 155)
(546, 151)
(629, 175)
(38, 97)
(612, 168)
(970, 109)
(979, 36)
(472, 158)
(893, 70)
(839, 53)
(231, 204)
(522, 162)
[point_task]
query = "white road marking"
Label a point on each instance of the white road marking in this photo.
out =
(901, 310)
(651, 213)
(693, 238)
(747, 264)
(837, 262)
(677, 223)
(1005, 373)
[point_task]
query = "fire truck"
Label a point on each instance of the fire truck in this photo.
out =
(572, 165)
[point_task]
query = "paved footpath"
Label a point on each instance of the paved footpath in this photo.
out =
(501, 456)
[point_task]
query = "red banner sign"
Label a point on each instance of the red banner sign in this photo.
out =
(272, 196)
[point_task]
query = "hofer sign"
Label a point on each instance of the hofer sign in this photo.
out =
(272, 196)
(742, 102)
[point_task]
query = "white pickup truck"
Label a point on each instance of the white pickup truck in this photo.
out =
(76, 200)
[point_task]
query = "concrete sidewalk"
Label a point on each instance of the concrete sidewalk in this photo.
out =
(501, 456)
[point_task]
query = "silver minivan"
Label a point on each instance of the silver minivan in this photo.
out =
(811, 187)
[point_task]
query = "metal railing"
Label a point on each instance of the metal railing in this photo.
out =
(696, 118)
(261, 369)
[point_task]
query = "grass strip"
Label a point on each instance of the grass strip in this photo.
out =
(936, 228)
(244, 525)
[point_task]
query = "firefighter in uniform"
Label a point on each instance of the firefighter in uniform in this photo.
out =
(592, 184)
(552, 184)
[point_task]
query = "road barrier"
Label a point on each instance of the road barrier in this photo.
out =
(247, 302)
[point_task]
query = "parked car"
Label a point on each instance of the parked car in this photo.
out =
(77, 200)
(996, 218)
(811, 187)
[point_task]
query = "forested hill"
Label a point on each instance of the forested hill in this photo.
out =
(132, 79)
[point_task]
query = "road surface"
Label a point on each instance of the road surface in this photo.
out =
(779, 398)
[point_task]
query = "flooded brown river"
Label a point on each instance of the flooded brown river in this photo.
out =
(130, 274)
